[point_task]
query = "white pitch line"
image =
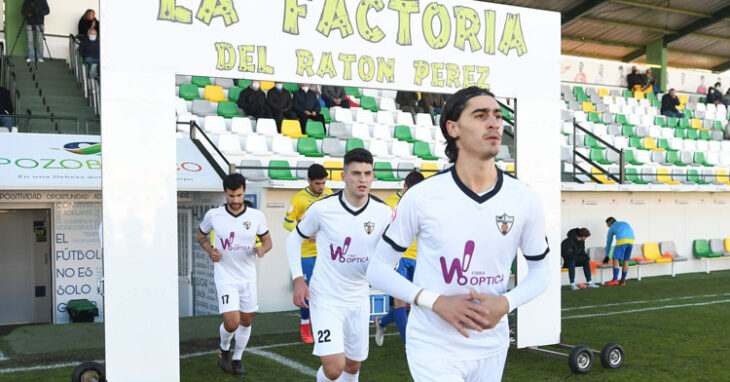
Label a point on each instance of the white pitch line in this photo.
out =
(285, 361)
(646, 309)
(645, 301)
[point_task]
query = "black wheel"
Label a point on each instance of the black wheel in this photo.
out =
(612, 356)
(88, 372)
(580, 359)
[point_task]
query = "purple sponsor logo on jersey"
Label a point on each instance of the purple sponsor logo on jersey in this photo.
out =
(340, 252)
(228, 243)
(460, 269)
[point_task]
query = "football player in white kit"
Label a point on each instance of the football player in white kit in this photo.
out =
(348, 225)
(469, 221)
(234, 253)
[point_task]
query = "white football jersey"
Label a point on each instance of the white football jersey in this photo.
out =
(234, 238)
(465, 242)
(345, 241)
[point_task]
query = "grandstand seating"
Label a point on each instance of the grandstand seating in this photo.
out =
(701, 249)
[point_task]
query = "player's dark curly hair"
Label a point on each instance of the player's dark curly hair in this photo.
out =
(358, 155)
(452, 111)
(316, 171)
(234, 182)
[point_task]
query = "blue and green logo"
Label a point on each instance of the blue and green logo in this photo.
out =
(83, 148)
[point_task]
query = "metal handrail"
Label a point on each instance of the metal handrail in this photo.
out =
(622, 170)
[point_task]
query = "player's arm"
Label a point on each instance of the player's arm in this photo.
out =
(265, 245)
(204, 242)
(307, 226)
(609, 238)
(292, 215)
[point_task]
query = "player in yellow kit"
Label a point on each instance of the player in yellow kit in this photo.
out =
(406, 267)
(316, 177)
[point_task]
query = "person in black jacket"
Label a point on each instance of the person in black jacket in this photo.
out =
(88, 21)
(714, 95)
(89, 50)
(279, 101)
(670, 101)
(6, 107)
(635, 80)
(253, 101)
(307, 106)
(574, 254)
(34, 12)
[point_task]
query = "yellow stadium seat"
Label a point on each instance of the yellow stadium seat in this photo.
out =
(429, 168)
(639, 95)
(588, 106)
(334, 169)
(721, 177)
(266, 85)
(511, 169)
(662, 175)
(290, 128)
(727, 245)
(683, 99)
(650, 143)
(602, 92)
(604, 179)
(695, 123)
(651, 252)
(214, 93)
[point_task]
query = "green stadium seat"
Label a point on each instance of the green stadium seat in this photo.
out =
(234, 94)
(621, 118)
(683, 123)
(403, 133)
(717, 125)
(243, 84)
(699, 158)
(631, 159)
(507, 114)
(384, 172)
(656, 103)
(701, 248)
(189, 92)
(688, 113)
(314, 129)
(594, 117)
(589, 141)
(627, 131)
(582, 98)
(355, 92)
(291, 87)
(663, 143)
(354, 143)
(673, 157)
(200, 81)
(368, 103)
(660, 121)
(596, 155)
(423, 150)
(280, 170)
(692, 134)
(635, 142)
(650, 96)
(325, 111)
(228, 109)
(671, 122)
(628, 94)
(578, 90)
(633, 176)
(680, 133)
(693, 176)
(705, 135)
(702, 100)
(307, 146)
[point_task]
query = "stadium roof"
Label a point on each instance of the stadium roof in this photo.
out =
(697, 33)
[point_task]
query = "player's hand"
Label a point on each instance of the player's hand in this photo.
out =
(497, 306)
(462, 313)
(313, 238)
(215, 255)
(301, 293)
(259, 251)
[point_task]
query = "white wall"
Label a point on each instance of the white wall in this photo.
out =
(64, 20)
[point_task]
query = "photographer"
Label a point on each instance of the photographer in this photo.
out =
(34, 12)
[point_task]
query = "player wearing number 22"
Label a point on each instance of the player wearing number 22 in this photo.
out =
(469, 221)
(234, 253)
(348, 225)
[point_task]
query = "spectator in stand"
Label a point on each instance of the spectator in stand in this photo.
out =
(279, 101)
(335, 96)
(407, 101)
(670, 101)
(89, 50)
(714, 95)
(88, 21)
(727, 97)
(622, 250)
(634, 79)
(253, 101)
(6, 107)
(650, 83)
(307, 106)
(34, 12)
(573, 251)
(432, 103)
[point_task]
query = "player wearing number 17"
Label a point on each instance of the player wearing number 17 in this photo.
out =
(348, 225)
(234, 253)
(457, 329)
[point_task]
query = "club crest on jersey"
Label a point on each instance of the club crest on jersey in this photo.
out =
(247, 225)
(369, 226)
(504, 223)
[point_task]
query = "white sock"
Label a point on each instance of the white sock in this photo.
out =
(243, 333)
(321, 377)
(347, 377)
(304, 322)
(226, 338)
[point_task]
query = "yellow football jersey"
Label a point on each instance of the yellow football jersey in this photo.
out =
(298, 205)
(392, 201)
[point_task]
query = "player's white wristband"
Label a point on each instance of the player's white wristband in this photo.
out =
(427, 298)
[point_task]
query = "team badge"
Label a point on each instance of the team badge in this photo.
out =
(504, 223)
(369, 226)
(247, 225)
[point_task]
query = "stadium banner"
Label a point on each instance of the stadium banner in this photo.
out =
(73, 162)
(436, 46)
